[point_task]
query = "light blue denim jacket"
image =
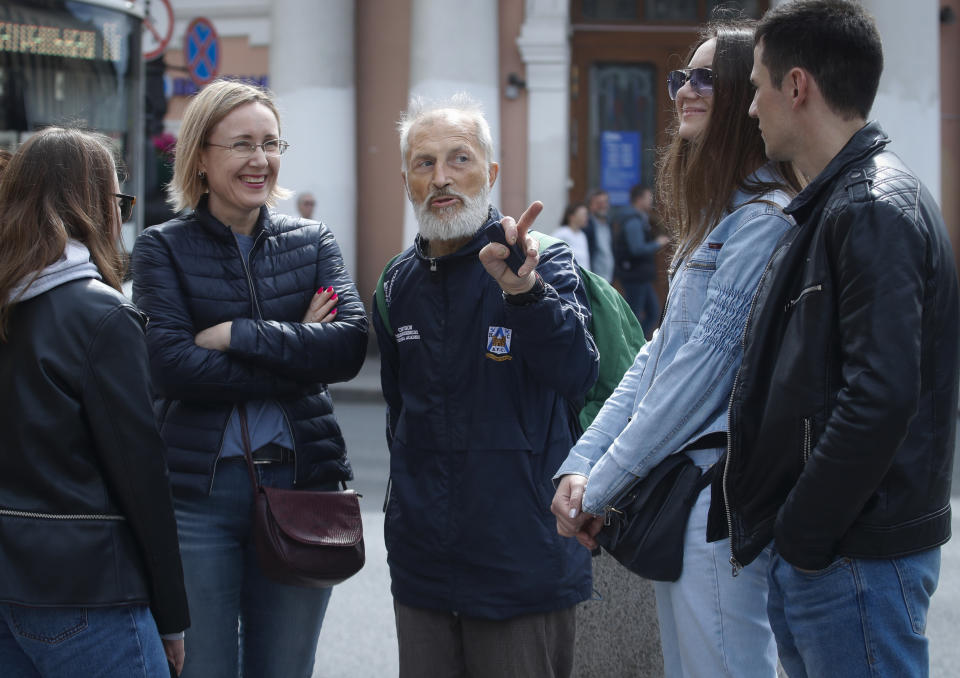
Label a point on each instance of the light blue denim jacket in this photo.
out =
(678, 388)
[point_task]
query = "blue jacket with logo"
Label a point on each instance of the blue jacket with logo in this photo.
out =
(481, 400)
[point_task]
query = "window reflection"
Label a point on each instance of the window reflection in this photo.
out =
(622, 126)
(671, 10)
(609, 9)
(749, 7)
(660, 11)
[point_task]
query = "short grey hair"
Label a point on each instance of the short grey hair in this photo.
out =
(420, 110)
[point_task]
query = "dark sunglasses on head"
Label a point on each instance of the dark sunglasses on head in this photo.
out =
(126, 205)
(701, 81)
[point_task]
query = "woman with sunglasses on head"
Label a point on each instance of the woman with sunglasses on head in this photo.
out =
(723, 201)
(251, 314)
(88, 543)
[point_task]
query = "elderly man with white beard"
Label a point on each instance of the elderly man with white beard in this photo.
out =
(483, 371)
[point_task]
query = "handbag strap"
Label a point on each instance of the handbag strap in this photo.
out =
(707, 477)
(247, 452)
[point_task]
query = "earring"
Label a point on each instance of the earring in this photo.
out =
(202, 174)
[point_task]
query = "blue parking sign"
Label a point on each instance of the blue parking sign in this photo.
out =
(202, 51)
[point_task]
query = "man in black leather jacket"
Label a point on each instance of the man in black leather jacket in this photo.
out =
(842, 418)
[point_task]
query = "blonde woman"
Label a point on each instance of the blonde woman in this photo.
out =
(252, 313)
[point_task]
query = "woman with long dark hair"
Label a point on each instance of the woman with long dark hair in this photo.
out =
(88, 544)
(723, 202)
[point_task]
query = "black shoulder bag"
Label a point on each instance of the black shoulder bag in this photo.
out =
(644, 529)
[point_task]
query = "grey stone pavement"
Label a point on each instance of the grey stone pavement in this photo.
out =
(359, 639)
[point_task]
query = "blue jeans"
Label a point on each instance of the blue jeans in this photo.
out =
(643, 300)
(94, 642)
(856, 617)
(713, 624)
(237, 615)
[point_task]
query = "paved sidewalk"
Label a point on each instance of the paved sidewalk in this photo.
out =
(359, 638)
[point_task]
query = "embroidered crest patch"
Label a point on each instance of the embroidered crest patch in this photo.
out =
(498, 343)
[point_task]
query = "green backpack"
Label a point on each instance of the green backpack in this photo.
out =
(613, 325)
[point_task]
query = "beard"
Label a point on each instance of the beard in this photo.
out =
(455, 221)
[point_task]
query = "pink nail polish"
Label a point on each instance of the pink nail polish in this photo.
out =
(333, 312)
(320, 290)
(334, 296)
(329, 289)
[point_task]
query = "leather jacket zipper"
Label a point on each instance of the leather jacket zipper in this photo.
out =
(804, 292)
(61, 516)
(807, 440)
(734, 563)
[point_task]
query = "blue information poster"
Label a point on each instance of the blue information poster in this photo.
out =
(619, 164)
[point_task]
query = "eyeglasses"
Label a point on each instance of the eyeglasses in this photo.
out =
(126, 205)
(245, 149)
(701, 81)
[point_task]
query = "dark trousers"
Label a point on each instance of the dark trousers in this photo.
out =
(643, 300)
(444, 645)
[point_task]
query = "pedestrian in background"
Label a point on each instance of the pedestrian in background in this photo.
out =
(479, 417)
(845, 411)
(88, 543)
(575, 218)
(306, 204)
(599, 234)
(251, 314)
(723, 202)
(635, 250)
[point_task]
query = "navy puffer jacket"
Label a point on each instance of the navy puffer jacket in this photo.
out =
(188, 275)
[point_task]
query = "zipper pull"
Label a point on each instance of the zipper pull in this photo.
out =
(386, 496)
(433, 265)
(736, 566)
(608, 515)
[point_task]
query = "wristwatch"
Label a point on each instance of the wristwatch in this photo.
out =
(531, 296)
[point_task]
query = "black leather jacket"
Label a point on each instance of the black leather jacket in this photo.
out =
(188, 275)
(843, 413)
(86, 517)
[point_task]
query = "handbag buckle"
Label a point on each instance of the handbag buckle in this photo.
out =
(606, 515)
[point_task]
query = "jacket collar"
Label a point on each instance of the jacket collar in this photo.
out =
(472, 247)
(73, 264)
(765, 174)
(868, 140)
(220, 230)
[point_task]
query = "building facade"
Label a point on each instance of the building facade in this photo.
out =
(573, 89)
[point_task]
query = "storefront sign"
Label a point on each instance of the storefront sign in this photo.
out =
(619, 164)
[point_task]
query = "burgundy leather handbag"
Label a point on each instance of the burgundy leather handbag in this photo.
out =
(309, 538)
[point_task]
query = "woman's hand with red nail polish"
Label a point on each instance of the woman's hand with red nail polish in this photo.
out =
(322, 308)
